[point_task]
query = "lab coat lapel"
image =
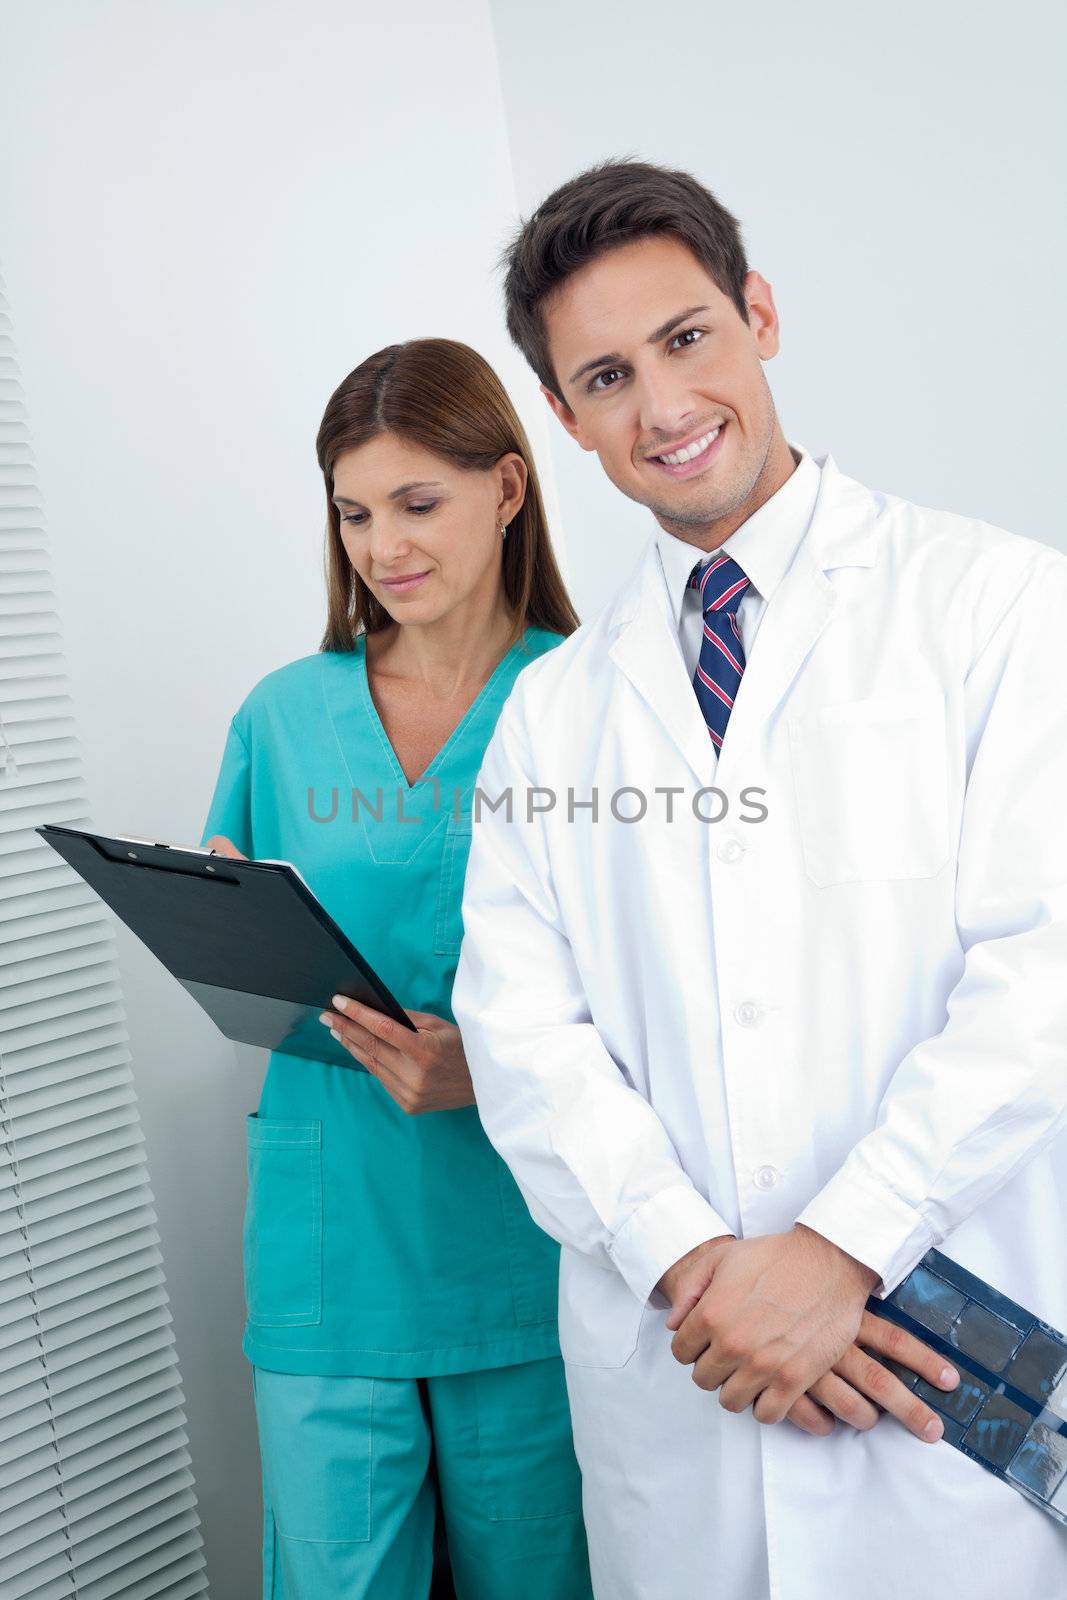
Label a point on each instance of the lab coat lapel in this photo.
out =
(647, 650)
(841, 534)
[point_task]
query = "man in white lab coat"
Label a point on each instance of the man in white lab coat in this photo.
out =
(764, 979)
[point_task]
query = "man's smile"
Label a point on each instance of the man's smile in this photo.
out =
(693, 456)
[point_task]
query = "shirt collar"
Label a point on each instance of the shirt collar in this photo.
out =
(765, 543)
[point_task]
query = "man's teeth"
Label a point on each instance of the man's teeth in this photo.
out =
(676, 457)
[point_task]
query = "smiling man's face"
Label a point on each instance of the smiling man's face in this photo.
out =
(654, 359)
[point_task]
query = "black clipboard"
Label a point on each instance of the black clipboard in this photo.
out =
(247, 939)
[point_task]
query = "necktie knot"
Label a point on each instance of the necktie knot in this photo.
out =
(722, 584)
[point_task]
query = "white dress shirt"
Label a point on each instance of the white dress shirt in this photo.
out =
(763, 547)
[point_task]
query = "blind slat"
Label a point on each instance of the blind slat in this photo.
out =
(97, 1497)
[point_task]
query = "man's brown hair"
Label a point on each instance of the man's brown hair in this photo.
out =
(611, 204)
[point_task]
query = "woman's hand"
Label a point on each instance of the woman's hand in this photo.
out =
(224, 847)
(424, 1071)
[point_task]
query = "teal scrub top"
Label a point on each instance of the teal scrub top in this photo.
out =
(375, 1242)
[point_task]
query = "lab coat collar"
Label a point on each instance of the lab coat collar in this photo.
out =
(643, 628)
(763, 545)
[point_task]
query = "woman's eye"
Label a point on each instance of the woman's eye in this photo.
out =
(358, 518)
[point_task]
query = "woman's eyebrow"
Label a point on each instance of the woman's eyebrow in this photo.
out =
(394, 494)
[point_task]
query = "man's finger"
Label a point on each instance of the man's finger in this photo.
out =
(692, 1338)
(845, 1401)
(809, 1417)
(887, 1339)
(874, 1380)
(681, 1309)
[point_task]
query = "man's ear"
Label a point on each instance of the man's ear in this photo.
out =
(762, 315)
(566, 416)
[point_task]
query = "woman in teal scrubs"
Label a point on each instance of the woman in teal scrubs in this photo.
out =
(401, 1301)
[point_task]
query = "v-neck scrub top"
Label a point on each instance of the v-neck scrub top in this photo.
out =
(375, 1242)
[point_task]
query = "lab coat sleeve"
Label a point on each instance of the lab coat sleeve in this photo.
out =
(968, 1108)
(230, 811)
(590, 1156)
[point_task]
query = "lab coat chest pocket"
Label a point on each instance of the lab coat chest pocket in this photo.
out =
(448, 921)
(283, 1223)
(870, 778)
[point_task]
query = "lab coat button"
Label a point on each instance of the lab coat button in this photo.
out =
(749, 1013)
(730, 850)
(765, 1177)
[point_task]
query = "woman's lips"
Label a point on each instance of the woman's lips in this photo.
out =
(689, 469)
(403, 585)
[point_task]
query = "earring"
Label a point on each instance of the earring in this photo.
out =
(503, 530)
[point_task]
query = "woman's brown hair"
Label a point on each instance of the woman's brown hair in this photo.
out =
(443, 396)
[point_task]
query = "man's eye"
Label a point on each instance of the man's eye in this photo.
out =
(425, 508)
(687, 331)
(593, 382)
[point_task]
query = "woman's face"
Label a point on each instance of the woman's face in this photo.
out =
(422, 534)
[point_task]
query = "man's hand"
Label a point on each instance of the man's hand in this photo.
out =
(780, 1321)
(424, 1071)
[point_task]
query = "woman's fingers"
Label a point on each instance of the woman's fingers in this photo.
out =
(224, 847)
(363, 1050)
(372, 1030)
(351, 1035)
(396, 1070)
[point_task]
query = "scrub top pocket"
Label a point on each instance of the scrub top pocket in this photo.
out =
(870, 778)
(448, 922)
(283, 1222)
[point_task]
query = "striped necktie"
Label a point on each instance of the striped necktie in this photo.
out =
(722, 658)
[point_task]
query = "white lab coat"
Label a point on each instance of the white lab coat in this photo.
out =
(852, 1013)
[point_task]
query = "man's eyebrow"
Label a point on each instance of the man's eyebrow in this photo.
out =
(654, 337)
(395, 494)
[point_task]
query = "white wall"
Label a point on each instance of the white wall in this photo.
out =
(210, 212)
(208, 215)
(898, 173)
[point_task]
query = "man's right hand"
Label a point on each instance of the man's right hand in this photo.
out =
(859, 1388)
(223, 847)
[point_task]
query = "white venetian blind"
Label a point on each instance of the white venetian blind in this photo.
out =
(96, 1494)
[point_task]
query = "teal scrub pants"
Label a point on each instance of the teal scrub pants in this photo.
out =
(348, 1493)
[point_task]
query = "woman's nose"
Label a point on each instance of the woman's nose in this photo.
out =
(387, 547)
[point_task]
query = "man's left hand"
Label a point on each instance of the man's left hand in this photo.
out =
(423, 1071)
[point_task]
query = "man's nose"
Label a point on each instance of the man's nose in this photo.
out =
(665, 410)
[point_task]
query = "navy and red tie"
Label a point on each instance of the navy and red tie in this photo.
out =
(722, 658)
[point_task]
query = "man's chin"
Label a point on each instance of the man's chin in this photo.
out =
(694, 514)
(686, 509)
